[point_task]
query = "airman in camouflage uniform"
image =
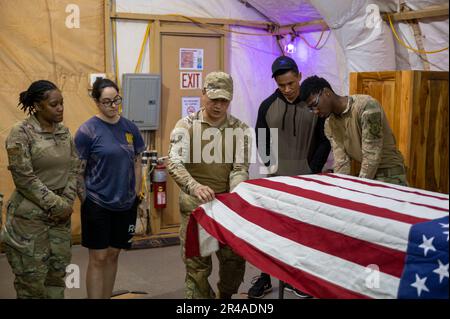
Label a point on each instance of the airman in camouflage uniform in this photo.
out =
(1, 206)
(199, 179)
(358, 129)
(37, 230)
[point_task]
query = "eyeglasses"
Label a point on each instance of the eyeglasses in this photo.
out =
(117, 101)
(316, 102)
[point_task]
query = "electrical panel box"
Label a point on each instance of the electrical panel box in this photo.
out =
(142, 99)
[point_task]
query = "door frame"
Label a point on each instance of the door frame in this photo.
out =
(161, 25)
(158, 30)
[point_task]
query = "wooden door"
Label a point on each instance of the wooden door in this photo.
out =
(173, 38)
(416, 106)
(428, 154)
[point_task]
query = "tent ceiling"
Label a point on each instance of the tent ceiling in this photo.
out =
(287, 11)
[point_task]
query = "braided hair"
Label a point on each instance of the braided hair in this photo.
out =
(36, 93)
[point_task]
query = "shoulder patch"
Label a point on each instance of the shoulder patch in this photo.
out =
(14, 150)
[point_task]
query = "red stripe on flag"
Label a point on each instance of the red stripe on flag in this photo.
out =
(193, 248)
(301, 280)
(389, 261)
(384, 186)
(357, 191)
(338, 202)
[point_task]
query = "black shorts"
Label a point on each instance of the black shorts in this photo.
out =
(102, 228)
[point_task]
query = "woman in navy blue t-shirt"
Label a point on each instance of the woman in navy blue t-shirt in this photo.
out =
(110, 147)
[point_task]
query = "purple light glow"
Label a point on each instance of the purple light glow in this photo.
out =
(290, 48)
(302, 52)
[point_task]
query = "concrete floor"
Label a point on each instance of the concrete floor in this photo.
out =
(157, 271)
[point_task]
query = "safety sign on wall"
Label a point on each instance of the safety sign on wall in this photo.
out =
(190, 80)
(189, 105)
(191, 59)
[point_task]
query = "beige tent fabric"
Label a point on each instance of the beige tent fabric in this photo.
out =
(35, 44)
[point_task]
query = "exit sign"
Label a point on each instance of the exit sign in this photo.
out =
(190, 80)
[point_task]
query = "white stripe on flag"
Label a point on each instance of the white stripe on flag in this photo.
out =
(208, 244)
(380, 191)
(350, 275)
(399, 187)
(395, 206)
(385, 232)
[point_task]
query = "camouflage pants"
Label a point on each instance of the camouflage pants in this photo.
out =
(1, 206)
(37, 250)
(198, 269)
(392, 177)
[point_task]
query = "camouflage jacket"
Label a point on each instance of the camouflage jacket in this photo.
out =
(191, 163)
(1, 206)
(44, 166)
(362, 133)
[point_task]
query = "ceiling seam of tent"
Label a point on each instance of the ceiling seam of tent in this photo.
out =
(249, 5)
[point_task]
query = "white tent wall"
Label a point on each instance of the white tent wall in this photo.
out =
(252, 80)
(435, 37)
(220, 9)
(372, 47)
(367, 47)
(251, 57)
(287, 11)
(434, 31)
(131, 33)
(255, 81)
(129, 38)
(356, 44)
(327, 60)
(351, 45)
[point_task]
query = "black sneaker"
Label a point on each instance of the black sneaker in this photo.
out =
(261, 287)
(297, 292)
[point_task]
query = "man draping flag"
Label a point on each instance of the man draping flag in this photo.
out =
(332, 235)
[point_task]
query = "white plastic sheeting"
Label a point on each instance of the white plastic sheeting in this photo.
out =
(367, 45)
(250, 56)
(355, 42)
(435, 37)
(130, 35)
(251, 59)
(358, 43)
(245, 50)
(287, 11)
(371, 48)
(327, 61)
(220, 9)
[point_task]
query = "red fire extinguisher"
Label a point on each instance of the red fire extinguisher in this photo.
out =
(159, 185)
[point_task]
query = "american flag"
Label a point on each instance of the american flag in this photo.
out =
(332, 235)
